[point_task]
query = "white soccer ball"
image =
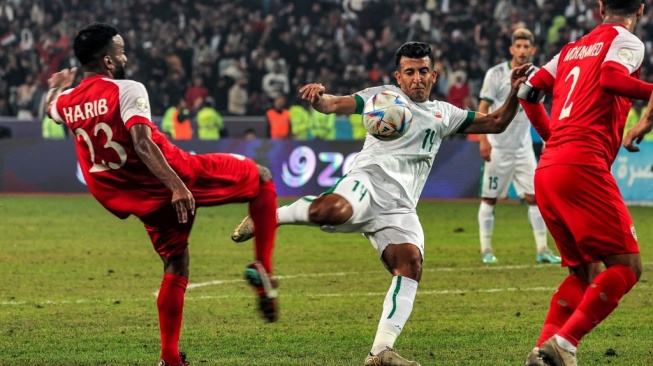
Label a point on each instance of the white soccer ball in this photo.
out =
(386, 115)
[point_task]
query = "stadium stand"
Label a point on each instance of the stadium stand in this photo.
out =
(275, 46)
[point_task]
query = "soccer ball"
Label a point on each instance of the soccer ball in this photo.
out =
(386, 115)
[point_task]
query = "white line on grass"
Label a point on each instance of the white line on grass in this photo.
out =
(327, 274)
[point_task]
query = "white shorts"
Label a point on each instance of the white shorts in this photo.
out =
(505, 167)
(378, 212)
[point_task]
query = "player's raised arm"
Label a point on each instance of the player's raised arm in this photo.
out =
(57, 83)
(327, 103)
(498, 121)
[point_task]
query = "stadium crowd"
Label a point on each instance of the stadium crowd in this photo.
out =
(248, 53)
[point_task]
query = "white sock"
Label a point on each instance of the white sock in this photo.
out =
(565, 344)
(486, 226)
(296, 212)
(397, 307)
(539, 229)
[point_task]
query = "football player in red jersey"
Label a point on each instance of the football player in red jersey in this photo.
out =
(132, 169)
(592, 81)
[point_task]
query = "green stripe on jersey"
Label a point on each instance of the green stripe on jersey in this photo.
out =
(333, 187)
(489, 100)
(360, 103)
(468, 121)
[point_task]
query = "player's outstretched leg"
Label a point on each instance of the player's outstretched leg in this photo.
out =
(397, 306)
(266, 290)
(294, 213)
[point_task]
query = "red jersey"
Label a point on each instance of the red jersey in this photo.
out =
(100, 112)
(587, 122)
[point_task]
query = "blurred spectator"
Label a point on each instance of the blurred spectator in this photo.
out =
(209, 121)
(195, 92)
(250, 134)
(458, 91)
(278, 118)
(275, 83)
(237, 104)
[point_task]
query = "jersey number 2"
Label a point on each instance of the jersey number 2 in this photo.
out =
(100, 167)
(566, 108)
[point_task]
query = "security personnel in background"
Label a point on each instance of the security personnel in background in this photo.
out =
(300, 120)
(278, 119)
(209, 121)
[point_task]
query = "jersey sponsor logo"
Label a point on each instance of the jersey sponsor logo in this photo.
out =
(142, 105)
(625, 55)
(632, 231)
(580, 52)
(85, 111)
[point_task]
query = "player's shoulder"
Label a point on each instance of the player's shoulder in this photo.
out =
(499, 68)
(128, 87)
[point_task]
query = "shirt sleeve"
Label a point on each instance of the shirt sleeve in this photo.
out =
(53, 110)
(551, 67)
(455, 120)
(365, 94)
(134, 104)
(488, 90)
(627, 50)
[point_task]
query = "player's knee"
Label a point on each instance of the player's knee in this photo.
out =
(264, 173)
(490, 201)
(404, 260)
(530, 199)
(330, 210)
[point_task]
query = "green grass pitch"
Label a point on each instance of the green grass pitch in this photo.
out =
(77, 288)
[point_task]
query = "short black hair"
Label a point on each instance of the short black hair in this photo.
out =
(93, 42)
(414, 50)
(622, 7)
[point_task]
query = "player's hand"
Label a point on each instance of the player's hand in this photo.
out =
(63, 78)
(636, 134)
(184, 203)
(312, 92)
(486, 150)
(520, 74)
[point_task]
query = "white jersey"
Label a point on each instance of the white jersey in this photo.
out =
(495, 91)
(407, 161)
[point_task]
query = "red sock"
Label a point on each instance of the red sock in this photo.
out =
(171, 308)
(263, 210)
(570, 293)
(600, 299)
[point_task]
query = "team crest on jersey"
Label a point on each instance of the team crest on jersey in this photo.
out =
(625, 55)
(142, 105)
(437, 114)
(632, 231)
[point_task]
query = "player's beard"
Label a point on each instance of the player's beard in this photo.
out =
(119, 72)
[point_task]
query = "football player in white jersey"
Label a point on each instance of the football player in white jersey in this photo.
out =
(509, 157)
(379, 194)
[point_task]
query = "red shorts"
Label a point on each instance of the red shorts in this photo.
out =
(224, 178)
(585, 213)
